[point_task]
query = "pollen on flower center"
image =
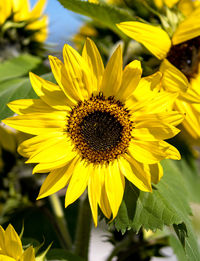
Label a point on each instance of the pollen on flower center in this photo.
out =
(186, 56)
(100, 129)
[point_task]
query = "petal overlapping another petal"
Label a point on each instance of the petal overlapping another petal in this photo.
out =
(93, 58)
(149, 36)
(112, 77)
(114, 184)
(188, 29)
(38, 123)
(135, 173)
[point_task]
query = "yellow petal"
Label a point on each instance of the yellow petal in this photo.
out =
(171, 117)
(158, 3)
(155, 80)
(112, 77)
(5, 10)
(151, 152)
(24, 106)
(130, 80)
(170, 3)
(156, 171)
(21, 10)
(29, 146)
(2, 238)
(135, 173)
(153, 130)
(94, 61)
(38, 9)
(6, 258)
(103, 202)
(47, 167)
(148, 35)
(186, 7)
(66, 84)
(13, 243)
(46, 152)
(28, 255)
(38, 123)
(173, 79)
(78, 182)
(188, 29)
(192, 95)
(56, 180)
(191, 122)
(40, 27)
(50, 93)
(94, 192)
(114, 184)
(77, 72)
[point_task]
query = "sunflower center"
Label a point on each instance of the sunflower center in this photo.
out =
(186, 57)
(100, 129)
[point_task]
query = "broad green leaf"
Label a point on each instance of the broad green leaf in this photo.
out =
(17, 67)
(166, 205)
(61, 254)
(191, 177)
(189, 249)
(18, 88)
(177, 248)
(14, 89)
(107, 15)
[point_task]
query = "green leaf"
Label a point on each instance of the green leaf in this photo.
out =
(14, 89)
(107, 15)
(61, 254)
(189, 249)
(177, 248)
(17, 67)
(181, 232)
(166, 205)
(19, 88)
(190, 174)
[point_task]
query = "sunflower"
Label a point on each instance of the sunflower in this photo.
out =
(180, 55)
(11, 246)
(91, 131)
(21, 27)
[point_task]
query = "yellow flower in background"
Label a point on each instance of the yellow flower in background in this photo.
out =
(188, 6)
(86, 30)
(11, 246)
(94, 1)
(8, 139)
(8, 142)
(22, 30)
(181, 58)
(91, 130)
(169, 3)
(19, 11)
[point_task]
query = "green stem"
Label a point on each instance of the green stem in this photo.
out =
(61, 221)
(83, 229)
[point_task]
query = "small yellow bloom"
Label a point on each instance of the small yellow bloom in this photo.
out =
(94, 1)
(169, 3)
(11, 246)
(188, 6)
(92, 132)
(181, 58)
(19, 11)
